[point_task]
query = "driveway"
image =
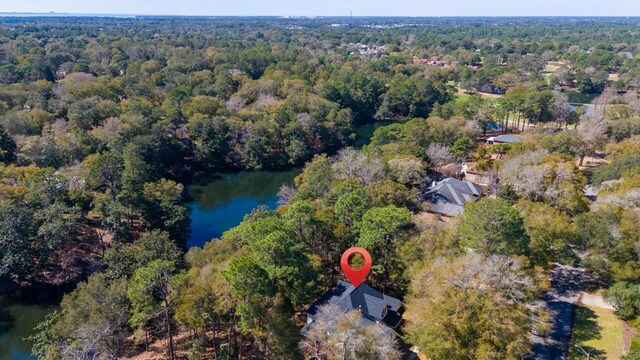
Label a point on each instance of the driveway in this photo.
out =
(560, 302)
(593, 300)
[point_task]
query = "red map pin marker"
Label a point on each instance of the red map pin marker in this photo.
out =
(355, 276)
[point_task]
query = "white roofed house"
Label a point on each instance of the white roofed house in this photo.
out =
(448, 196)
(504, 139)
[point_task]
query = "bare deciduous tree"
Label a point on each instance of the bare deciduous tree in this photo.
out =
(236, 103)
(439, 154)
(110, 128)
(285, 194)
(407, 171)
(304, 119)
(628, 200)
(529, 181)
(472, 128)
(337, 335)
(548, 56)
(511, 168)
(266, 100)
(560, 109)
(448, 293)
(606, 98)
(563, 75)
(353, 164)
(592, 134)
(632, 98)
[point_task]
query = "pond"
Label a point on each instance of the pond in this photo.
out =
(365, 132)
(580, 98)
(221, 203)
(17, 323)
(586, 109)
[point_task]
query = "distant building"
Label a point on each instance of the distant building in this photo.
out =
(486, 88)
(504, 139)
(430, 62)
(374, 306)
(448, 197)
(363, 49)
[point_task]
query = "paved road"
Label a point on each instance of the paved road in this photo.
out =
(560, 302)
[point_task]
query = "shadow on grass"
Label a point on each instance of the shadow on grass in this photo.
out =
(586, 328)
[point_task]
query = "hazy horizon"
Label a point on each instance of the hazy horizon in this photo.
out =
(62, 14)
(364, 8)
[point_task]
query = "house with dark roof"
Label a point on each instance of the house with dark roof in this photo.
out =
(448, 197)
(374, 306)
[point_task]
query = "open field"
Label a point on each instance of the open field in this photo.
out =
(463, 93)
(599, 332)
(551, 68)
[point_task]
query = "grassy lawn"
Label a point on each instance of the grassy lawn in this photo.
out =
(599, 332)
(580, 98)
(461, 94)
(551, 68)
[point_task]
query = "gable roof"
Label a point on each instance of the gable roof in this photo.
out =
(372, 304)
(448, 196)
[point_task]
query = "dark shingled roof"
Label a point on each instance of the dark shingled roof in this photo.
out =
(448, 196)
(372, 304)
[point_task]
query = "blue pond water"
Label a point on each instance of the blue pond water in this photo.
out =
(16, 324)
(221, 202)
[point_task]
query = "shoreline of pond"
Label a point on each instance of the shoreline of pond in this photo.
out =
(230, 196)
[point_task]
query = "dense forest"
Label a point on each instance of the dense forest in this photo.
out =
(105, 122)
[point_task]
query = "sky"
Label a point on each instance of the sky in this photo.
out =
(332, 7)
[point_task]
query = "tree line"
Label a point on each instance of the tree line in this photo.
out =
(104, 127)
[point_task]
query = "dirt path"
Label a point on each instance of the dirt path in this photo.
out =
(628, 332)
